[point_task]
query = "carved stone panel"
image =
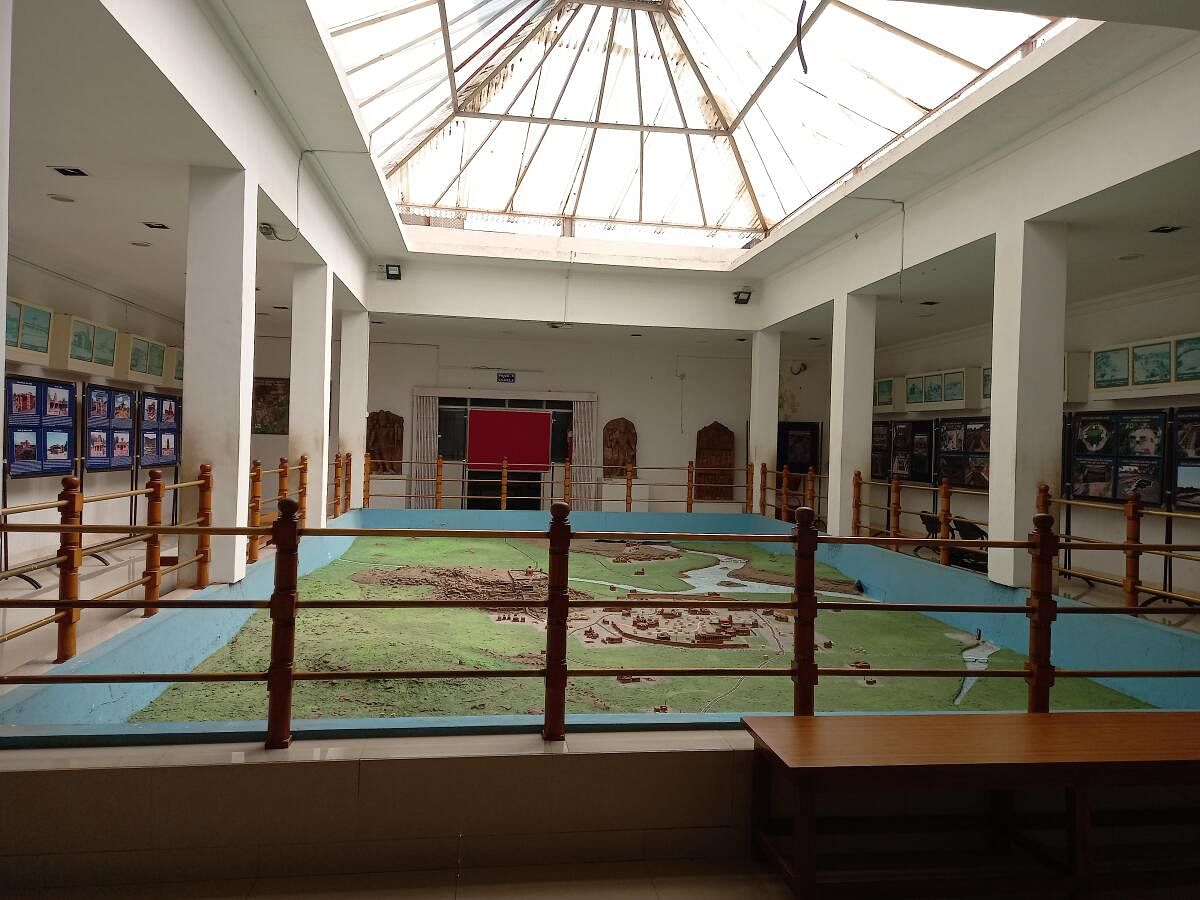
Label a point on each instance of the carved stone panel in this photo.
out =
(620, 448)
(385, 441)
(714, 462)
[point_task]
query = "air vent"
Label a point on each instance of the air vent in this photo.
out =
(69, 171)
(1167, 229)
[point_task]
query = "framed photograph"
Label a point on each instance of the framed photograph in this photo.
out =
(97, 447)
(879, 466)
(902, 435)
(22, 398)
(122, 405)
(978, 437)
(269, 407)
(884, 392)
(951, 437)
(1110, 368)
(155, 359)
(1095, 435)
(954, 469)
(1187, 487)
(83, 339)
(955, 386)
(120, 444)
(933, 388)
(1145, 477)
(798, 444)
(104, 352)
(987, 383)
(150, 409)
(920, 445)
(901, 465)
(1143, 435)
(58, 401)
(1187, 359)
(978, 474)
(24, 446)
(914, 390)
(1093, 478)
(98, 403)
(35, 329)
(880, 435)
(179, 366)
(139, 351)
(58, 447)
(1152, 363)
(167, 410)
(1187, 434)
(12, 323)
(166, 445)
(150, 443)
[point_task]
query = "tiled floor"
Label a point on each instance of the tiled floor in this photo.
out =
(674, 880)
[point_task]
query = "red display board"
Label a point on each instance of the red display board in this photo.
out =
(520, 436)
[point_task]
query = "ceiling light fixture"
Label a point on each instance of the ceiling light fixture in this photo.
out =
(930, 302)
(1167, 229)
(69, 171)
(1128, 257)
(61, 198)
(635, 334)
(279, 307)
(157, 226)
(140, 244)
(742, 296)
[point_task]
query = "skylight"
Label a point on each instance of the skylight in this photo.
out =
(663, 121)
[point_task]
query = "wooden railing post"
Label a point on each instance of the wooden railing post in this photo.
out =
(337, 485)
(567, 483)
(366, 481)
(284, 486)
(1133, 535)
(628, 487)
(152, 587)
(285, 534)
(255, 509)
(437, 484)
(856, 504)
(1043, 499)
(782, 500)
(1042, 612)
(302, 491)
(894, 512)
(346, 482)
(555, 725)
(204, 517)
(944, 520)
(749, 487)
(810, 489)
(762, 490)
(804, 688)
(504, 483)
(691, 484)
(70, 548)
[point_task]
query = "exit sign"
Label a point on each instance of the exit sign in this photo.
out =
(506, 377)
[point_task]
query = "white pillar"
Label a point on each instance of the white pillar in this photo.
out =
(6, 12)
(850, 389)
(219, 349)
(352, 394)
(1028, 334)
(308, 407)
(764, 400)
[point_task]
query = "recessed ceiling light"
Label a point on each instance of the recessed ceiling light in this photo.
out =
(262, 314)
(140, 244)
(1167, 229)
(1130, 256)
(158, 226)
(69, 171)
(742, 340)
(930, 302)
(61, 198)
(377, 321)
(278, 307)
(814, 338)
(635, 334)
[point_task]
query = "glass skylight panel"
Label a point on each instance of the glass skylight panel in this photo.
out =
(512, 149)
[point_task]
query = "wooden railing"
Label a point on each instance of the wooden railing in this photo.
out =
(70, 505)
(781, 492)
(283, 491)
(286, 609)
(338, 501)
(938, 521)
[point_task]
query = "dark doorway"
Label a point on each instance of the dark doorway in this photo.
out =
(524, 489)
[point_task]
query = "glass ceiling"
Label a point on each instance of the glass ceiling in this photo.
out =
(667, 121)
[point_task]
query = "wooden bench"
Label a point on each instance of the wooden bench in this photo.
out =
(990, 752)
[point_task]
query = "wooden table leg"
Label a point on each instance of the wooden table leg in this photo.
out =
(804, 835)
(760, 803)
(1079, 833)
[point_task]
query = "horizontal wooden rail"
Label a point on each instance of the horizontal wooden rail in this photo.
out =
(171, 570)
(924, 673)
(667, 672)
(116, 495)
(32, 566)
(32, 507)
(398, 674)
(128, 586)
(31, 627)
(182, 484)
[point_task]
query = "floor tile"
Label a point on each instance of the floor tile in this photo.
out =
(629, 881)
(393, 886)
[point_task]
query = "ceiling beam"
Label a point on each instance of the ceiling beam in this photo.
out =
(1171, 13)
(587, 157)
(644, 5)
(595, 126)
(908, 36)
(662, 52)
(376, 19)
(419, 210)
(449, 55)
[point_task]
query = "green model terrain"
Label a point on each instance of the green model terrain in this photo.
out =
(333, 640)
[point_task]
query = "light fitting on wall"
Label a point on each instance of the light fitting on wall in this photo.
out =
(742, 297)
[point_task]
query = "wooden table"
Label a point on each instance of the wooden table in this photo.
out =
(985, 751)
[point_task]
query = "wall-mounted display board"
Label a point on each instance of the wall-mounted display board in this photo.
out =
(798, 446)
(1156, 367)
(912, 450)
(1186, 446)
(81, 345)
(951, 389)
(141, 359)
(175, 365)
(40, 426)
(888, 395)
(1114, 453)
(964, 452)
(158, 433)
(27, 332)
(881, 451)
(111, 428)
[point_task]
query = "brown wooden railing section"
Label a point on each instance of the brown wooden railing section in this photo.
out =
(938, 521)
(283, 491)
(286, 611)
(781, 492)
(71, 503)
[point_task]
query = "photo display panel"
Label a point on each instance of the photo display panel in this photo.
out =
(110, 434)
(40, 426)
(881, 450)
(1114, 453)
(159, 429)
(1187, 459)
(964, 452)
(912, 450)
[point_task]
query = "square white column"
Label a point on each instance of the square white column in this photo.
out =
(308, 407)
(352, 394)
(764, 400)
(1028, 334)
(6, 15)
(852, 377)
(218, 347)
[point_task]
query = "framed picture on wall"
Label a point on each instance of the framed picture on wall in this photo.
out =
(1093, 478)
(933, 388)
(883, 396)
(1187, 359)
(35, 329)
(1143, 476)
(798, 444)
(1095, 435)
(1152, 363)
(1143, 435)
(987, 383)
(914, 390)
(1110, 368)
(270, 406)
(1187, 487)
(955, 386)
(83, 339)
(105, 350)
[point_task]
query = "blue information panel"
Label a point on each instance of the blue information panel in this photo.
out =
(161, 418)
(109, 440)
(40, 426)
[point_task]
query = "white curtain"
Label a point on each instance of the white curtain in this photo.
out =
(585, 455)
(425, 447)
